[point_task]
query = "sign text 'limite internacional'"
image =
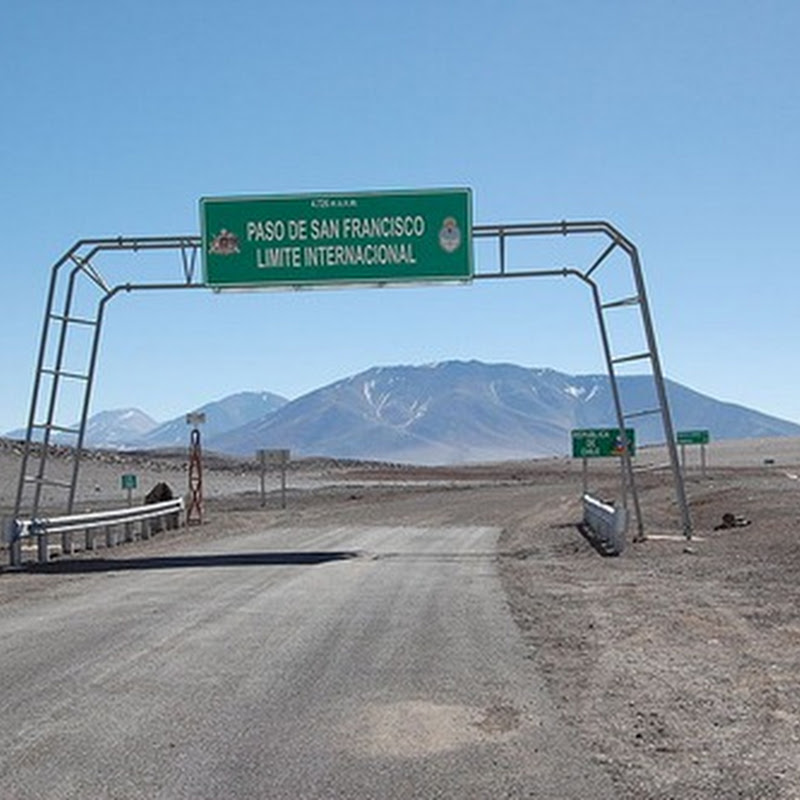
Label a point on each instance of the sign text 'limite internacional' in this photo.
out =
(601, 442)
(319, 239)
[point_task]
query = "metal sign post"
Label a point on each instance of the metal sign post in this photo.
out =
(128, 482)
(585, 473)
(699, 437)
(278, 458)
(607, 443)
(262, 463)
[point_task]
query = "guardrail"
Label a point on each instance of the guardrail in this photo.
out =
(152, 517)
(606, 523)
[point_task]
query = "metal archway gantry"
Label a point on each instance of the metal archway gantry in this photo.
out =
(54, 372)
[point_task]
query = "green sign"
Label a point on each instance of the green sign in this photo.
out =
(601, 442)
(693, 437)
(318, 239)
(128, 481)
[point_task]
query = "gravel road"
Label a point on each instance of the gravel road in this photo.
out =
(298, 662)
(435, 633)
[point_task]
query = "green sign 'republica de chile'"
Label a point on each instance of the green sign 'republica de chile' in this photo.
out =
(366, 237)
(601, 442)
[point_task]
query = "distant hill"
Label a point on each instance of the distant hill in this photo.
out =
(130, 428)
(451, 412)
(232, 412)
(109, 429)
(456, 412)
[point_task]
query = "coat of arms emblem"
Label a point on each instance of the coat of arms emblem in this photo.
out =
(224, 243)
(449, 235)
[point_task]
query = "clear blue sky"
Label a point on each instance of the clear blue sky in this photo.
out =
(676, 120)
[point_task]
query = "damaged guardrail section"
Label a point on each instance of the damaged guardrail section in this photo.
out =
(606, 523)
(152, 517)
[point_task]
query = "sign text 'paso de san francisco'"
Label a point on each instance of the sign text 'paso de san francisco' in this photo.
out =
(385, 237)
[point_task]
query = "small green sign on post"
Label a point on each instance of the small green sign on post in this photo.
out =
(696, 437)
(601, 443)
(312, 240)
(693, 437)
(128, 482)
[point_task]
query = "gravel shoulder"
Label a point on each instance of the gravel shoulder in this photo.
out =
(678, 662)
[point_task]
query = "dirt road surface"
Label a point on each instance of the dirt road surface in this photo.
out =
(675, 667)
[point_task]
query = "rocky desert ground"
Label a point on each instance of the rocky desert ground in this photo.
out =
(676, 664)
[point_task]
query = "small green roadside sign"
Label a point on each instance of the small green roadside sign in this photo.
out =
(312, 240)
(128, 481)
(601, 442)
(693, 437)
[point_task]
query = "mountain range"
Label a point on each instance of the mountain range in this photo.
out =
(444, 413)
